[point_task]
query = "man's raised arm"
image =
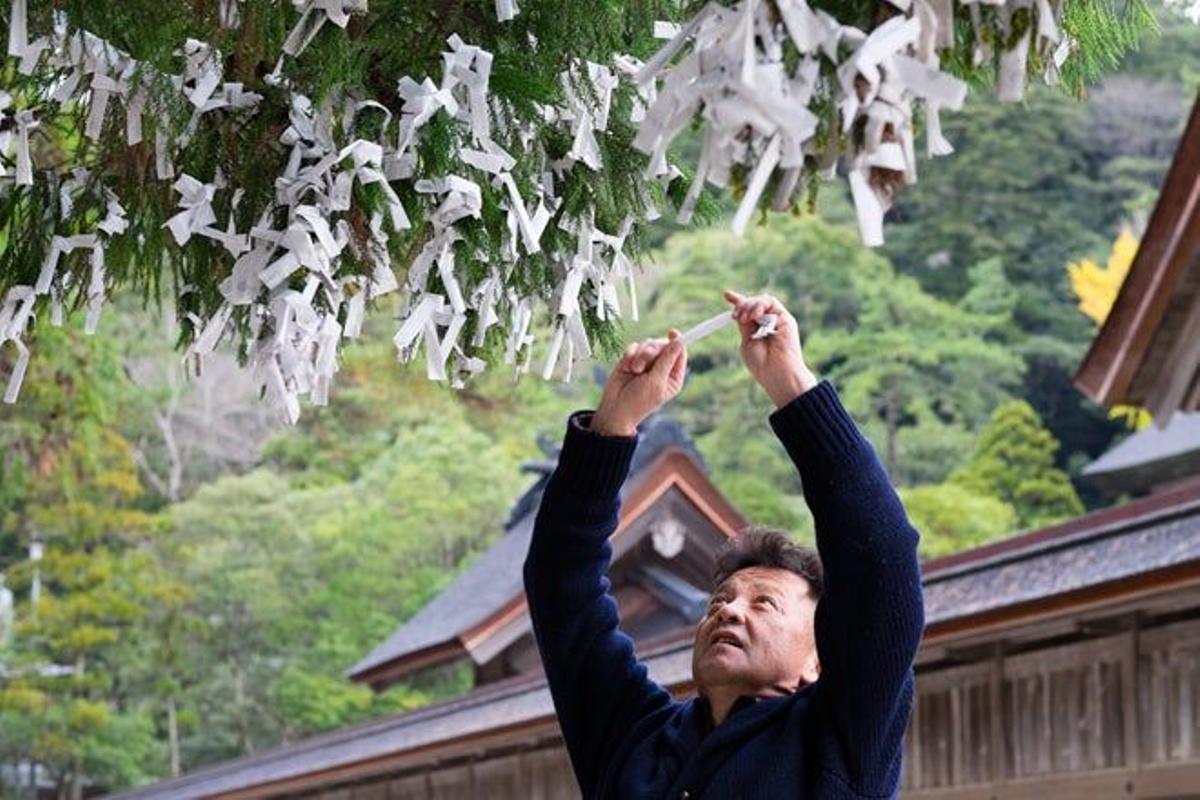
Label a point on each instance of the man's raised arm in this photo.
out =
(870, 618)
(599, 688)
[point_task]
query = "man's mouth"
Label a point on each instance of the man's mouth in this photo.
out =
(724, 637)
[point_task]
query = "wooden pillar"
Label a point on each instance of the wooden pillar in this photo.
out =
(1129, 688)
(1045, 763)
(1186, 664)
(957, 737)
(995, 688)
(914, 730)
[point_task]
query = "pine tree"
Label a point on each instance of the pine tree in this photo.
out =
(1014, 462)
(952, 517)
(339, 88)
(70, 482)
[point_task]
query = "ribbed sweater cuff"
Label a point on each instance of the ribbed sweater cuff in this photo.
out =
(815, 426)
(590, 464)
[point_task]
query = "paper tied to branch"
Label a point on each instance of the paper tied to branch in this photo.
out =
(23, 121)
(19, 45)
(202, 71)
(229, 13)
(588, 90)
(733, 77)
(727, 66)
(428, 314)
(313, 16)
(197, 216)
(18, 307)
(506, 10)
(1189, 8)
(15, 314)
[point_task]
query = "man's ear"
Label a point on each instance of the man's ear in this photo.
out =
(811, 670)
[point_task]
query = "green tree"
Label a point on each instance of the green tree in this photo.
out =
(912, 359)
(1014, 462)
(73, 486)
(952, 517)
(1039, 186)
(357, 518)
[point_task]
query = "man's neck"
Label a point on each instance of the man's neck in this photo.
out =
(722, 699)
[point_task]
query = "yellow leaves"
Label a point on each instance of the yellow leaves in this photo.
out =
(1134, 418)
(1096, 287)
(88, 715)
(23, 700)
(86, 637)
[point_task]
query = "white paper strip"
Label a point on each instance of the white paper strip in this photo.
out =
(766, 327)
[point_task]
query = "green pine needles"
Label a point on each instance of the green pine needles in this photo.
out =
(548, 227)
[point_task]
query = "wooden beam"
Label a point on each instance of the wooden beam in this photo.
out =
(1120, 347)
(1169, 389)
(1177, 781)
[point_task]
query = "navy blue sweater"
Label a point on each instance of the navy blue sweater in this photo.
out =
(840, 737)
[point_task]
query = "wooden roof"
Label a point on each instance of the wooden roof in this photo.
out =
(1150, 459)
(1109, 558)
(1147, 353)
(1150, 544)
(488, 599)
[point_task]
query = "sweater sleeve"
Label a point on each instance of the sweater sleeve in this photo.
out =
(870, 618)
(599, 687)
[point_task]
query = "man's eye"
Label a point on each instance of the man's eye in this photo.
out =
(766, 599)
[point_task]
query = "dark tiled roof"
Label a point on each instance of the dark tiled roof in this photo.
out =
(1180, 436)
(512, 703)
(1150, 457)
(495, 578)
(1147, 536)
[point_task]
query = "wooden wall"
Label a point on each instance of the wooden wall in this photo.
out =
(543, 774)
(1125, 702)
(1116, 716)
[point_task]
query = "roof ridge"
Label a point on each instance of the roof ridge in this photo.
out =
(1096, 524)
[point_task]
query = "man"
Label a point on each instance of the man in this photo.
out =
(796, 698)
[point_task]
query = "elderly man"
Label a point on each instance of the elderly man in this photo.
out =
(804, 678)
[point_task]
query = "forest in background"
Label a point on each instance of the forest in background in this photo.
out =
(208, 577)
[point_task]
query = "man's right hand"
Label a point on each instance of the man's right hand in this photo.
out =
(648, 375)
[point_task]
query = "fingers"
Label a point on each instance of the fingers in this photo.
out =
(679, 367)
(673, 358)
(751, 309)
(640, 355)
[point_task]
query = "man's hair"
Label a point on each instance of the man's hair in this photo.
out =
(761, 546)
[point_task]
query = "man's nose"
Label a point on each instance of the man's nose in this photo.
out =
(732, 611)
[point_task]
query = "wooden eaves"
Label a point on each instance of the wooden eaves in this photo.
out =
(674, 467)
(1148, 350)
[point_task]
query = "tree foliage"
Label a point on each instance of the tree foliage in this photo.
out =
(215, 612)
(952, 517)
(1014, 462)
(73, 487)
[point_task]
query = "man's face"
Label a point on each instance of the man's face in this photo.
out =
(757, 634)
